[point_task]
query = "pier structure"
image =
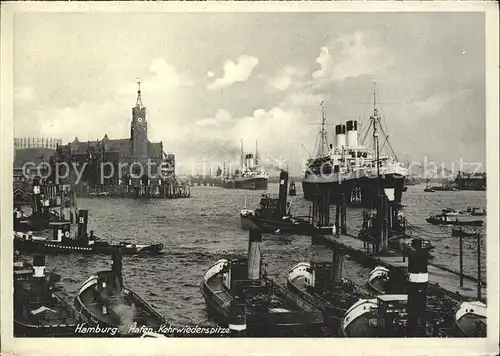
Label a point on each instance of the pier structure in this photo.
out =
(375, 251)
(204, 181)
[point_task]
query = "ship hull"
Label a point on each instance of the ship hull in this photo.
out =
(250, 184)
(48, 247)
(360, 192)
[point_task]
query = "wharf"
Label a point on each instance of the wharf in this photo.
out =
(445, 280)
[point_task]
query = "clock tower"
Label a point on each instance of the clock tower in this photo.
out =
(139, 131)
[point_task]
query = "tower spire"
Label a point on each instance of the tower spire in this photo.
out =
(138, 103)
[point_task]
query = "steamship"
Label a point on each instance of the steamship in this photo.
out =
(351, 169)
(251, 175)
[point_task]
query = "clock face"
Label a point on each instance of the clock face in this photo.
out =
(139, 119)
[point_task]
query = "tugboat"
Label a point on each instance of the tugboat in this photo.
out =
(61, 242)
(470, 319)
(46, 197)
(321, 284)
(444, 219)
(238, 288)
(405, 309)
(104, 301)
(38, 310)
(291, 190)
(274, 214)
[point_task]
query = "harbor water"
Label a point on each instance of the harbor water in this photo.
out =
(197, 231)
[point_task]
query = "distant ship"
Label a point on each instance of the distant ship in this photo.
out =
(351, 169)
(251, 175)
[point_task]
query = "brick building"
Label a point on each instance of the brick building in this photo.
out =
(125, 155)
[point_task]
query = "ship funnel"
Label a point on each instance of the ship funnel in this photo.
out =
(340, 136)
(39, 266)
(83, 218)
(254, 240)
(283, 193)
(352, 133)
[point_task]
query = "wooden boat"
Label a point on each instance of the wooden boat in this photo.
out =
(429, 189)
(444, 219)
(451, 212)
(475, 211)
(269, 309)
(104, 301)
(460, 232)
(38, 309)
(470, 319)
(62, 242)
(291, 190)
(314, 282)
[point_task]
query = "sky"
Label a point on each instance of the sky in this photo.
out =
(211, 79)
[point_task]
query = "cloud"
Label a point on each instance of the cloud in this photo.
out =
(210, 74)
(24, 93)
(163, 77)
(161, 89)
(285, 78)
(235, 72)
(348, 57)
(221, 117)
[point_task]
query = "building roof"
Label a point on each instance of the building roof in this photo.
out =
(124, 145)
(32, 155)
(119, 145)
(155, 150)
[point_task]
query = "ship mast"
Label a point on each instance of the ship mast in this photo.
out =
(375, 119)
(323, 134)
(241, 158)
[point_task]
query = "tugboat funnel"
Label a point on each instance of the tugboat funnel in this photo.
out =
(39, 266)
(283, 192)
(254, 240)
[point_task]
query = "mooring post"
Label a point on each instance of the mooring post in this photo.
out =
(343, 214)
(418, 278)
(337, 263)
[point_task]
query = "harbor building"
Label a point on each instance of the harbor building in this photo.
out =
(121, 164)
